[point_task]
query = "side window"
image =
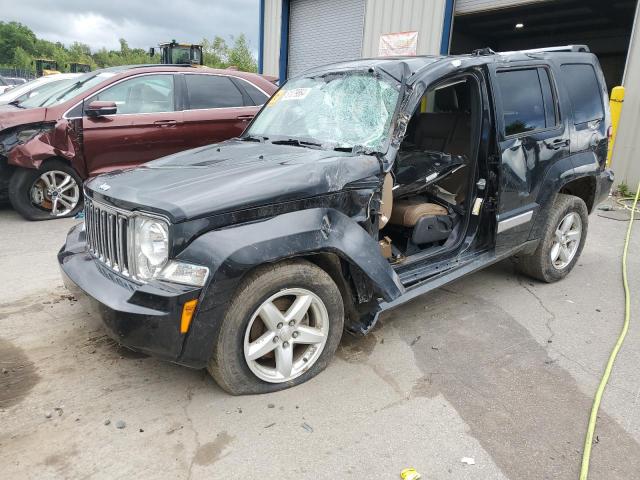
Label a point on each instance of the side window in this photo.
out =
(212, 91)
(144, 94)
(257, 97)
(525, 107)
(584, 91)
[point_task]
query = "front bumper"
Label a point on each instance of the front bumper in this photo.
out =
(145, 317)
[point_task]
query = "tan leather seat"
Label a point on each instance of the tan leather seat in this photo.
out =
(406, 213)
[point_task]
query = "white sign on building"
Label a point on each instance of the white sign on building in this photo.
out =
(402, 43)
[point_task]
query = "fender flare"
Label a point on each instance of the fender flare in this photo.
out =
(230, 253)
(557, 176)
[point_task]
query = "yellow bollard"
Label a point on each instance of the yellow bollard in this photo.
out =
(615, 104)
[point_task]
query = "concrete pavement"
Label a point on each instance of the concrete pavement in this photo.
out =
(495, 366)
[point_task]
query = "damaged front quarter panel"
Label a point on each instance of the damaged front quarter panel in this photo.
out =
(29, 145)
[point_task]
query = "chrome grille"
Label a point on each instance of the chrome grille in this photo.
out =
(107, 230)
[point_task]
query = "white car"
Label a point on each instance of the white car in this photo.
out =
(35, 87)
(4, 86)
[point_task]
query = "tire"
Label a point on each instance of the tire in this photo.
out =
(28, 191)
(229, 364)
(539, 264)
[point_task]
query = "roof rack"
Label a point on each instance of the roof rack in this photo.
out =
(564, 48)
(483, 51)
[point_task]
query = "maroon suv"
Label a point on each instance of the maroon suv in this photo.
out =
(112, 119)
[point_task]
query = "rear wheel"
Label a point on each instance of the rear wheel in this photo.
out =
(53, 191)
(562, 241)
(281, 329)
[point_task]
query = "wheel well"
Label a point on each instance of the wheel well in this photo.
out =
(584, 188)
(357, 291)
(56, 159)
(335, 267)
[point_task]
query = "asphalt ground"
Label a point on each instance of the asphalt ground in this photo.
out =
(495, 366)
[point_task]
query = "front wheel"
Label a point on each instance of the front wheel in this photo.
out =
(281, 329)
(53, 191)
(562, 241)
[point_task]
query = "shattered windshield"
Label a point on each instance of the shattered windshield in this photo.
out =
(345, 110)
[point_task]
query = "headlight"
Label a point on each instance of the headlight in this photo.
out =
(151, 246)
(29, 132)
(26, 135)
(151, 249)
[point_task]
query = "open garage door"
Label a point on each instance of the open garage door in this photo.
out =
(322, 32)
(604, 26)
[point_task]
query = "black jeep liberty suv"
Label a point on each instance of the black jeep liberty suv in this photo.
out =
(357, 187)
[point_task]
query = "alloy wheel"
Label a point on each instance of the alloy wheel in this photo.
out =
(566, 240)
(56, 192)
(286, 335)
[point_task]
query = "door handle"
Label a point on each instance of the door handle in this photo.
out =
(165, 123)
(245, 118)
(560, 142)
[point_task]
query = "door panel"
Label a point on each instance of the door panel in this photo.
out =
(145, 127)
(119, 141)
(203, 127)
(532, 138)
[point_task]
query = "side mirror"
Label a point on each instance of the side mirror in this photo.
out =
(99, 108)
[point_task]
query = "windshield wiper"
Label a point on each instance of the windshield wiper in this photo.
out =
(16, 103)
(253, 138)
(72, 87)
(356, 150)
(296, 142)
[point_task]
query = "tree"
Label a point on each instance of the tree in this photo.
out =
(19, 47)
(22, 60)
(12, 36)
(215, 52)
(124, 47)
(240, 55)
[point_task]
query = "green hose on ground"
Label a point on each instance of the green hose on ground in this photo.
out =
(588, 441)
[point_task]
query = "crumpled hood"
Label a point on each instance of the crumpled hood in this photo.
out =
(11, 116)
(230, 176)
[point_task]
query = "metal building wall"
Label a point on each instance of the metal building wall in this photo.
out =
(271, 42)
(625, 161)
(322, 32)
(381, 16)
(423, 16)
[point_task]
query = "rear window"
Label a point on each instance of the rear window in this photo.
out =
(524, 105)
(212, 91)
(584, 92)
(257, 97)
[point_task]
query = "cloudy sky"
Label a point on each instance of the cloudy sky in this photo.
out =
(142, 23)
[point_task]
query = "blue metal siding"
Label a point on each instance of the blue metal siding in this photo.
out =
(261, 39)
(284, 41)
(447, 27)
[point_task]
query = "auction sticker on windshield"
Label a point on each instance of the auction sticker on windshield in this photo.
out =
(296, 94)
(276, 97)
